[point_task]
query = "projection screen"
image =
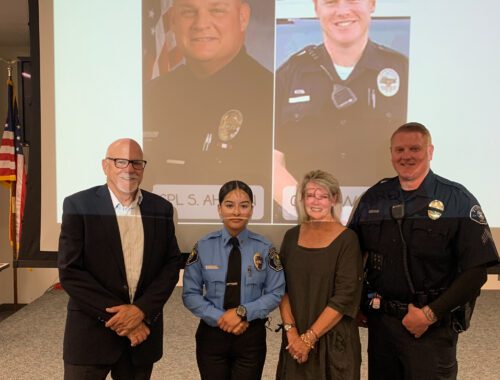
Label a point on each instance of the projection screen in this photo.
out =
(113, 69)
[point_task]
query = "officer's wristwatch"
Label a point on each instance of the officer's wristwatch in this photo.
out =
(241, 311)
(288, 326)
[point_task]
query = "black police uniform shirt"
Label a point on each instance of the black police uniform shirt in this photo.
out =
(444, 227)
(210, 127)
(340, 125)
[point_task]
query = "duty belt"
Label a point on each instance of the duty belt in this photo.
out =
(394, 308)
(398, 310)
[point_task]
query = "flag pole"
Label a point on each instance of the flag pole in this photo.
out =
(13, 221)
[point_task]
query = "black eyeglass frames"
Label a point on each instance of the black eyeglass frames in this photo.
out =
(122, 163)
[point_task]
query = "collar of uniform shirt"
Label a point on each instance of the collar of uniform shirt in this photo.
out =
(426, 187)
(118, 206)
(242, 236)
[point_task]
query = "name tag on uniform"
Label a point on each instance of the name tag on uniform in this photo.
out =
(211, 266)
(299, 99)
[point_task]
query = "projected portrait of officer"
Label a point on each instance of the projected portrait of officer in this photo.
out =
(338, 102)
(212, 114)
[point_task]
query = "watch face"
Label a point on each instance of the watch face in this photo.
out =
(241, 311)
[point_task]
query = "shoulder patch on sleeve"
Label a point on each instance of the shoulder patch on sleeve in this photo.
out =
(193, 256)
(477, 215)
(274, 260)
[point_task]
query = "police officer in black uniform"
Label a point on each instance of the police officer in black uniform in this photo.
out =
(428, 246)
(345, 95)
(213, 114)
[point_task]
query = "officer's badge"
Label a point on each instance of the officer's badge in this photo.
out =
(230, 125)
(388, 82)
(477, 215)
(258, 261)
(193, 256)
(435, 210)
(274, 260)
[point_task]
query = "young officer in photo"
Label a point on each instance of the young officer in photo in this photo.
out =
(339, 98)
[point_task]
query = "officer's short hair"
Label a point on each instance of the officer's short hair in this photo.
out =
(324, 179)
(233, 185)
(414, 127)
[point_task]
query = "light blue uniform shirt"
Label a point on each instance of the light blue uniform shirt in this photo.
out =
(204, 283)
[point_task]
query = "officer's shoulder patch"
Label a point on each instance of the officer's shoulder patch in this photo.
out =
(193, 256)
(476, 214)
(274, 260)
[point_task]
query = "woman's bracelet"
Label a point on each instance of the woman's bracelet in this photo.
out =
(309, 338)
(307, 342)
(313, 335)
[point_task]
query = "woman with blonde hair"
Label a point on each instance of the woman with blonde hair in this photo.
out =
(323, 271)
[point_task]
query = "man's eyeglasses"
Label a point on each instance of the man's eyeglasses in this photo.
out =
(122, 163)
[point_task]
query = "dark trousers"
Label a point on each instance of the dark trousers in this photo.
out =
(224, 356)
(123, 369)
(393, 353)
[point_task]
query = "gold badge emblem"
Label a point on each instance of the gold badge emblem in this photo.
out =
(388, 82)
(258, 261)
(435, 210)
(230, 125)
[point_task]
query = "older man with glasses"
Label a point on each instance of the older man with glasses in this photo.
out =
(119, 262)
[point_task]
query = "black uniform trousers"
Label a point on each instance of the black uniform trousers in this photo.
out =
(123, 369)
(224, 356)
(394, 353)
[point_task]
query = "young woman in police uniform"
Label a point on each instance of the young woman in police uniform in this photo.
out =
(233, 279)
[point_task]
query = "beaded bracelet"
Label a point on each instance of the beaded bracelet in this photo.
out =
(312, 335)
(309, 338)
(307, 342)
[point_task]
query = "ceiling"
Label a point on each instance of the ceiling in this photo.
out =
(14, 29)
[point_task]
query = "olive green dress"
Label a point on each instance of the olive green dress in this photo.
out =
(316, 278)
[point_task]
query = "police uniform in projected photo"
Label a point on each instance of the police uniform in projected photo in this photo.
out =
(337, 103)
(212, 115)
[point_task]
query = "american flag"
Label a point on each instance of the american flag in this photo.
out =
(160, 54)
(12, 166)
